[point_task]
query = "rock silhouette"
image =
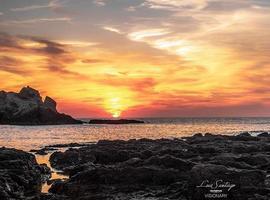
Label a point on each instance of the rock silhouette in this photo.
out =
(27, 108)
(20, 175)
(115, 121)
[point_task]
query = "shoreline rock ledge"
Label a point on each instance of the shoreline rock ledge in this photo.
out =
(27, 108)
(200, 167)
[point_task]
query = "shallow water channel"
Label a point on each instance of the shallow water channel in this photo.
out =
(56, 174)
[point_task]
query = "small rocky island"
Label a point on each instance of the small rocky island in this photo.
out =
(115, 121)
(28, 108)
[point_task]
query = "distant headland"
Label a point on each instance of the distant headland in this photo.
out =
(28, 108)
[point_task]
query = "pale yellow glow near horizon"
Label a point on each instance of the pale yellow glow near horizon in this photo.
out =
(115, 106)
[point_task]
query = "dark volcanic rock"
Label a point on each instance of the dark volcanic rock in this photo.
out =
(28, 93)
(264, 134)
(168, 161)
(237, 184)
(61, 160)
(115, 121)
(68, 145)
(166, 169)
(43, 151)
(20, 175)
(50, 103)
(27, 108)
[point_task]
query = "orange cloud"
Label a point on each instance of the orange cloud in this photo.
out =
(193, 58)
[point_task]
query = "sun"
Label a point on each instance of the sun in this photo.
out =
(115, 106)
(116, 114)
(117, 102)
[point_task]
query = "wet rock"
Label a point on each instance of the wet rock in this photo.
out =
(41, 152)
(61, 160)
(197, 139)
(20, 175)
(74, 144)
(255, 160)
(51, 181)
(236, 184)
(264, 134)
(198, 135)
(45, 171)
(244, 134)
(244, 137)
(50, 196)
(239, 148)
(165, 169)
(230, 160)
(169, 161)
(127, 179)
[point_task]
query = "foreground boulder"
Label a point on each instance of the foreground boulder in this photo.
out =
(199, 167)
(27, 108)
(20, 175)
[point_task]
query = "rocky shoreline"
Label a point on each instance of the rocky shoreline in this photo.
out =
(197, 167)
(20, 175)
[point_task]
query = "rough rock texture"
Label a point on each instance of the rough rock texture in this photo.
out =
(183, 169)
(50, 103)
(20, 175)
(27, 108)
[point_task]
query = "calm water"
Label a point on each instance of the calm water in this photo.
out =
(32, 137)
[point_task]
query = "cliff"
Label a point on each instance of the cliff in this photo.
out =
(27, 108)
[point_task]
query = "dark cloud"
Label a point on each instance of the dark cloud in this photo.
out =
(62, 71)
(8, 41)
(6, 60)
(12, 69)
(47, 46)
(55, 54)
(11, 65)
(51, 47)
(92, 61)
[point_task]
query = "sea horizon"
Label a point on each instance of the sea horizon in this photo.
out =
(180, 117)
(33, 137)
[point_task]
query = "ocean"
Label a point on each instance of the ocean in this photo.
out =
(34, 137)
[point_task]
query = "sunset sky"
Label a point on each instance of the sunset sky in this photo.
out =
(140, 58)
